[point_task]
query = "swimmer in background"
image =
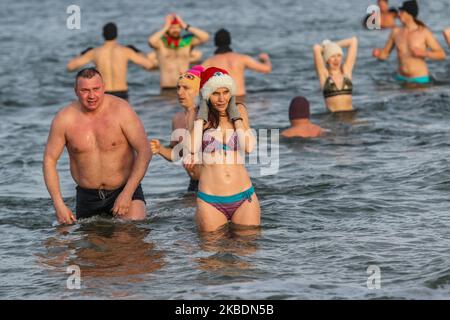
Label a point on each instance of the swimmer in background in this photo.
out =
(174, 52)
(195, 56)
(388, 15)
(187, 91)
(414, 43)
(111, 59)
(235, 63)
(335, 77)
(301, 126)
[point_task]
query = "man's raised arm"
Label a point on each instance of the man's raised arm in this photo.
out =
(80, 60)
(200, 36)
(154, 41)
(264, 65)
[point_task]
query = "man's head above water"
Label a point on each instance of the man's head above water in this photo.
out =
(89, 88)
(110, 31)
(175, 27)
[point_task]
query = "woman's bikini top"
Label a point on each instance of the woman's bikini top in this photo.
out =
(210, 144)
(331, 90)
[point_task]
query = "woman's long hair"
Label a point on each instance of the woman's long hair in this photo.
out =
(213, 117)
(420, 23)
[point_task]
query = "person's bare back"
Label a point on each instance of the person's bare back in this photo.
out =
(111, 60)
(308, 130)
(301, 126)
(235, 63)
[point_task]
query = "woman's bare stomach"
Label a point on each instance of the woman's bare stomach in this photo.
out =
(339, 103)
(413, 67)
(224, 180)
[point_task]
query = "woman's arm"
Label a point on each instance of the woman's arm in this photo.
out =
(321, 68)
(383, 54)
(352, 45)
(436, 51)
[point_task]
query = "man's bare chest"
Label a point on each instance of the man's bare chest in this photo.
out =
(95, 136)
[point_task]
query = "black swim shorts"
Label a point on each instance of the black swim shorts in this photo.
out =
(92, 202)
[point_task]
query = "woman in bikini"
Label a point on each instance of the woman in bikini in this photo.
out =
(336, 78)
(220, 136)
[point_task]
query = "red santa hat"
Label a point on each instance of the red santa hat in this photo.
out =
(214, 78)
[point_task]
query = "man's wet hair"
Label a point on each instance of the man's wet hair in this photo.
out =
(87, 73)
(222, 38)
(110, 31)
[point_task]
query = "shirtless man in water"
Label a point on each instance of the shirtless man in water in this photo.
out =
(174, 51)
(111, 59)
(235, 63)
(301, 126)
(388, 15)
(414, 43)
(108, 151)
(187, 92)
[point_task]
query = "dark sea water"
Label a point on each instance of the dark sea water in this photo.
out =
(375, 192)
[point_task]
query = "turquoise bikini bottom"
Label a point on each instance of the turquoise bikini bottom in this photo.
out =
(419, 80)
(227, 204)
